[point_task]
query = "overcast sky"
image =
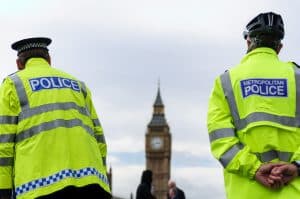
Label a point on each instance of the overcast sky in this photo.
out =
(120, 48)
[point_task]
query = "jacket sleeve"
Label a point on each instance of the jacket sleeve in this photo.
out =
(226, 146)
(9, 110)
(97, 128)
(296, 155)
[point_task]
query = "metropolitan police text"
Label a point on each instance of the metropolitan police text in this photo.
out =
(264, 87)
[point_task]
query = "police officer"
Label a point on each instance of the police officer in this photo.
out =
(51, 141)
(254, 117)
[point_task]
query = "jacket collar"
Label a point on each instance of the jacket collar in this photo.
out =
(36, 62)
(260, 51)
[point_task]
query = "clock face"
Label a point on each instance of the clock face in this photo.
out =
(156, 143)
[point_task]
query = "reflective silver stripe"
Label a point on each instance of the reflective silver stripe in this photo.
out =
(84, 92)
(228, 92)
(51, 107)
(297, 80)
(268, 156)
(20, 91)
(52, 125)
(259, 116)
(273, 154)
(96, 122)
(284, 156)
(8, 161)
(6, 119)
(230, 154)
(100, 138)
(7, 138)
(83, 89)
(104, 160)
(221, 133)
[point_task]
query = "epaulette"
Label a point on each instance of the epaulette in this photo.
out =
(298, 66)
(9, 76)
(12, 73)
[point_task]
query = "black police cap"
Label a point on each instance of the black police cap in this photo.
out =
(31, 43)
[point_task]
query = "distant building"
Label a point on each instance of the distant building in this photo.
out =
(158, 149)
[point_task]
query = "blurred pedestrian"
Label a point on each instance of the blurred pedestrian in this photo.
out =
(144, 189)
(172, 193)
(179, 194)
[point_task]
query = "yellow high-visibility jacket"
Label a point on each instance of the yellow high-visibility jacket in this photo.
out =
(254, 118)
(50, 135)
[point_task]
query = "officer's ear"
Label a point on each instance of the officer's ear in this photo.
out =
(19, 64)
(250, 44)
(248, 41)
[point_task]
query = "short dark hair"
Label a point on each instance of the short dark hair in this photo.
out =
(37, 52)
(264, 40)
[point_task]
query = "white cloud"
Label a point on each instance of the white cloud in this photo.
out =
(126, 179)
(193, 147)
(128, 143)
(113, 160)
(199, 182)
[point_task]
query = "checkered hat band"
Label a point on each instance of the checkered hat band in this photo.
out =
(32, 45)
(68, 173)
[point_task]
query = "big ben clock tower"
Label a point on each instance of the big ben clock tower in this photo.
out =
(158, 149)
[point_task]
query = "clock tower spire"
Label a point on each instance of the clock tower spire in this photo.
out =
(158, 148)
